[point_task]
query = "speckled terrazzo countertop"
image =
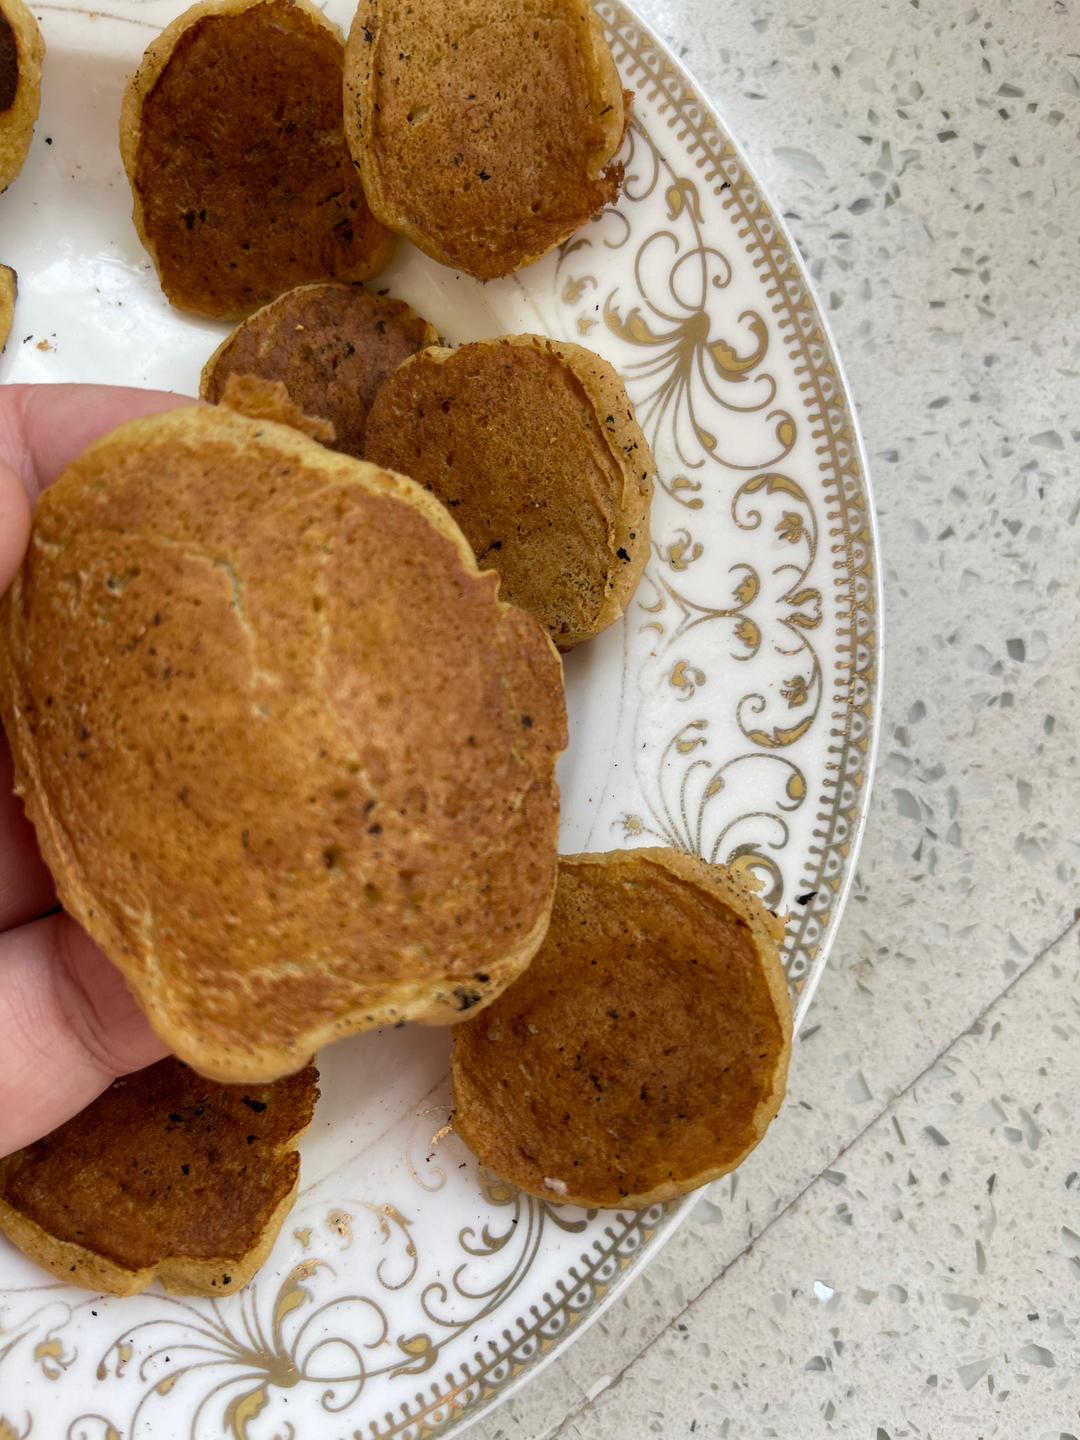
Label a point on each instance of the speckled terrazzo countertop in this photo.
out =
(901, 1257)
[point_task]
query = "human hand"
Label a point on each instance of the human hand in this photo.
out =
(68, 1023)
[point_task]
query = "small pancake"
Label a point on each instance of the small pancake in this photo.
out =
(331, 345)
(22, 50)
(232, 137)
(289, 758)
(645, 1049)
(533, 445)
(165, 1175)
(9, 289)
(484, 129)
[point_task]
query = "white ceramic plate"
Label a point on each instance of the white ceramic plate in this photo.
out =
(732, 714)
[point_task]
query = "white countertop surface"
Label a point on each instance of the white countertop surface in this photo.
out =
(901, 1256)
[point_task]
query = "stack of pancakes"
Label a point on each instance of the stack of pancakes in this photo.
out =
(291, 762)
(531, 443)
(285, 714)
(331, 345)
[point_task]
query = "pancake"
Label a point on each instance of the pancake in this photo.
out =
(533, 445)
(289, 758)
(22, 50)
(165, 1175)
(645, 1049)
(484, 130)
(9, 289)
(231, 136)
(330, 345)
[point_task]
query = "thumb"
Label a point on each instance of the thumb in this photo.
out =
(68, 1027)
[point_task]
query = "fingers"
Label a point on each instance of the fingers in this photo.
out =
(26, 887)
(68, 1027)
(68, 1024)
(43, 427)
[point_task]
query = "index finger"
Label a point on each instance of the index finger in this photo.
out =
(44, 427)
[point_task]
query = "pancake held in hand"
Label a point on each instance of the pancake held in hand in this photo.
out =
(331, 345)
(645, 1049)
(165, 1175)
(290, 760)
(231, 135)
(9, 289)
(21, 52)
(484, 129)
(533, 445)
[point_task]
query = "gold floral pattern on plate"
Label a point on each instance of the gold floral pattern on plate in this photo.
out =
(732, 714)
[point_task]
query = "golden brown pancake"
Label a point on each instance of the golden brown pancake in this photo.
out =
(9, 289)
(331, 346)
(290, 759)
(165, 1175)
(231, 136)
(484, 129)
(22, 50)
(645, 1049)
(533, 445)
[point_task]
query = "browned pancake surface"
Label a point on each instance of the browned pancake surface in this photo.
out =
(232, 138)
(22, 50)
(644, 1050)
(165, 1172)
(484, 129)
(533, 445)
(330, 345)
(290, 760)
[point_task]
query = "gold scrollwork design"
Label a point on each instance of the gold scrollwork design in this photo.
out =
(700, 806)
(237, 1360)
(676, 271)
(793, 607)
(259, 1359)
(685, 678)
(90, 1427)
(575, 288)
(42, 1328)
(681, 552)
